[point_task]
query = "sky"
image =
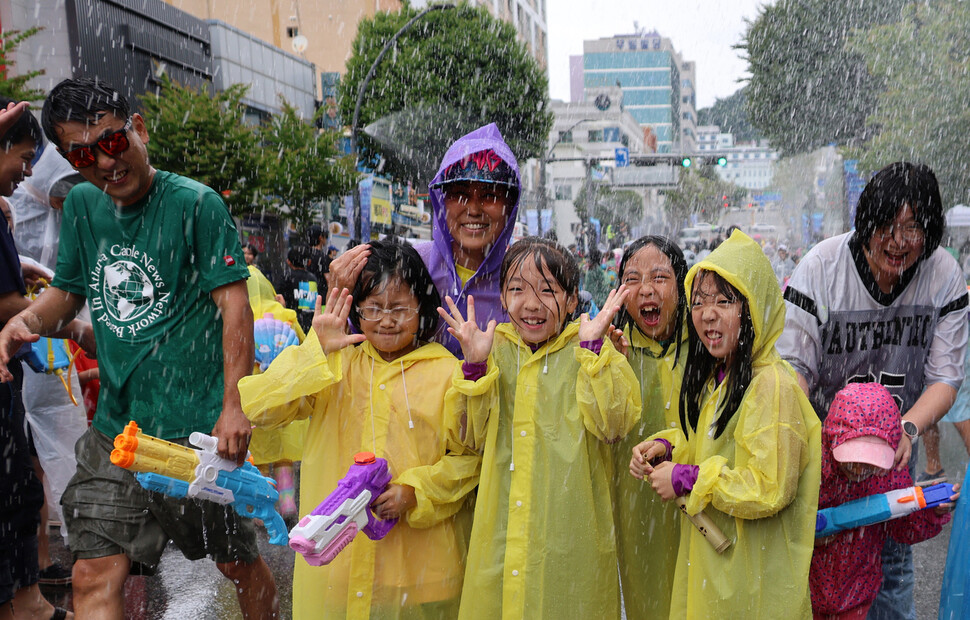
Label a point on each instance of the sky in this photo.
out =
(701, 30)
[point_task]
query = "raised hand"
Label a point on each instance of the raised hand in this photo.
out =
(596, 329)
(346, 268)
(330, 323)
(475, 343)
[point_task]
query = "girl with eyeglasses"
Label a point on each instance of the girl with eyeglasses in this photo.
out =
(385, 396)
(746, 451)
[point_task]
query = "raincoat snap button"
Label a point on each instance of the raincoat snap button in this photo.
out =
(515, 573)
(522, 433)
(518, 503)
(381, 387)
(360, 595)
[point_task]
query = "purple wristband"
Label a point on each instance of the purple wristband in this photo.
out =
(683, 478)
(474, 372)
(670, 451)
(593, 345)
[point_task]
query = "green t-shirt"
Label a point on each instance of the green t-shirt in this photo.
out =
(147, 272)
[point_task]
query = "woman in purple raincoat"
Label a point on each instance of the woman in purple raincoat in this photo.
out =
(474, 199)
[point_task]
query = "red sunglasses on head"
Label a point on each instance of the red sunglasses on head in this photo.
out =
(113, 144)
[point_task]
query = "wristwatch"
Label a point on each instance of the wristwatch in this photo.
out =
(911, 430)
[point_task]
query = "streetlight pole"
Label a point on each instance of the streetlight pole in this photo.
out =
(360, 99)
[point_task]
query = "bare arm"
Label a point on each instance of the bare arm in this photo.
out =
(51, 314)
(802, 383)
(232, 428)
(935, 401)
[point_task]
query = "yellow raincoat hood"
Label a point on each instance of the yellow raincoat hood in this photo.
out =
(741, 261)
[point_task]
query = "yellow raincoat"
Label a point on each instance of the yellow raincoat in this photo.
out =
(648, 528)
(359, 402)
(542, 543)
(759, 480)
(278, 444)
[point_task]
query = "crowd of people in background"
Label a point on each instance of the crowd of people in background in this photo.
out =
(543, 411)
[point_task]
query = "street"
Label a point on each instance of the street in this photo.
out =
(196, 590)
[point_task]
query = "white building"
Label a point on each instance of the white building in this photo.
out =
(592, 130)
(751, 166)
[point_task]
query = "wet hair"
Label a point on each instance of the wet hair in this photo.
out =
(389, 261)
(298, 256)
(80, 99)
(898, 184)
(26, 128)
(669, 249)
(253, 250)
(701, 364)
(550, 258)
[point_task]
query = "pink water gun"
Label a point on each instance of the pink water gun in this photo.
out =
(323, 533)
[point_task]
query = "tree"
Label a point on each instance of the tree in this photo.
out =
(610, 206)
(205, 137)
(15, 86)
(700, 191)
(806, 89)
(731, 115)
(453, 71)
(922, 115)
(307, 166)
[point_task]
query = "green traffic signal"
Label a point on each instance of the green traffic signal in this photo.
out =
(722, 161)
(685, 162)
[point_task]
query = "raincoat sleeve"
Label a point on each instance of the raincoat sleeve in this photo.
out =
(291, 387)
(678, 443)
(607, 392)
(440, 489)
(477, 399)
(771, 449)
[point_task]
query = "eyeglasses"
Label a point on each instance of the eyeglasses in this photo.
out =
(376, 313)
(912, 232)
(113, 144)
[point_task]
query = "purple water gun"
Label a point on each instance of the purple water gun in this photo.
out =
(323, 533)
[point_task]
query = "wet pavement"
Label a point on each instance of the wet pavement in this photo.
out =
(196, 590)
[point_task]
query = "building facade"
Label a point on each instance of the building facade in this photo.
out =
(581, 152)
(658, 85)
(319, 31)
(750, 165)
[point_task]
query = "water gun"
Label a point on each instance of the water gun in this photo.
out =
(880, 507)
(324, 533)
(178, 471)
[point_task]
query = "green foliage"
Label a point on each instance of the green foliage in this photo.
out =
(700, 191)
(610, 206)
(731, 115)
(922, 115)
(306, 165)
(15, 86)
(453, 71)
(205, 137)
(806, 89)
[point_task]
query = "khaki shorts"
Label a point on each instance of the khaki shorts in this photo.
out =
(107, 512)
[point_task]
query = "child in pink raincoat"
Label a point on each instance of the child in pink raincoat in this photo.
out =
(859, 440)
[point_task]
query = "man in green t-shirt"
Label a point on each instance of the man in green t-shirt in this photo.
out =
(157, 258)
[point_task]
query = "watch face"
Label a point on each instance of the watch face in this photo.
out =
(910, 428)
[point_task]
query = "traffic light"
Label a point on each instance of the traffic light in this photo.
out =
(685, 162)
(722, 161)
(725, 199)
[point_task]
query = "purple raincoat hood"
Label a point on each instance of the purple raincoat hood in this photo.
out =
(437, 254)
